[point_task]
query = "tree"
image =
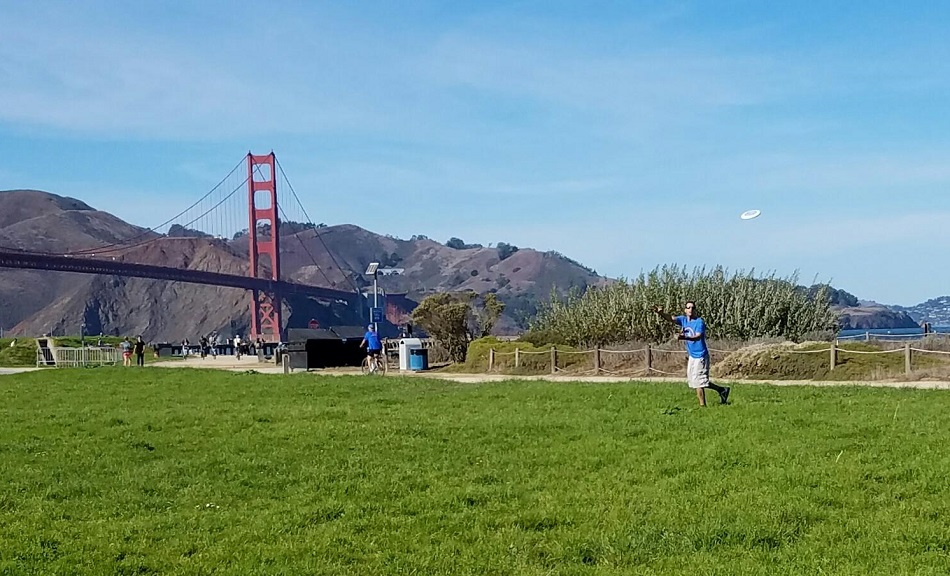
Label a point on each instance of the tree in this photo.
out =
(459, 244)
(179, 231)
(505, 250)
(836, 296)
(455, 319)
(488, 314)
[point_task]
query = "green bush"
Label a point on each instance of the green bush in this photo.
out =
(735, 306)
(542, 338)
(534, 359)
(22, 354)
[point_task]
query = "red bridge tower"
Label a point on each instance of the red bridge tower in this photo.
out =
(263, 231)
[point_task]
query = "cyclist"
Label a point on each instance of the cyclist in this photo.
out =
(374, 348)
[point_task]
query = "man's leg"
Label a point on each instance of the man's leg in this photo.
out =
(722, 390)
(695, 377)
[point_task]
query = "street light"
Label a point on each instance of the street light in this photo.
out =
(82, 335)
(373, 269)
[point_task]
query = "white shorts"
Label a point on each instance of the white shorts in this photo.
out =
(697, 372)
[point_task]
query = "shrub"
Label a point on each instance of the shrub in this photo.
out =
(505, 250)
(534, 359)
(455, 319)
(737, 306)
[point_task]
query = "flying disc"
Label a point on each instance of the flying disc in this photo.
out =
(750, 214)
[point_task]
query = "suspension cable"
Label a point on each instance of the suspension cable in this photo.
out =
(158, 227)
(316, 232)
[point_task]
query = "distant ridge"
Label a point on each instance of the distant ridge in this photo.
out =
(34, 302)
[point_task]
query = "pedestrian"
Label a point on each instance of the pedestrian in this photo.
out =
(126, 347)
(237, 346)
(139, 349)
(693, 332)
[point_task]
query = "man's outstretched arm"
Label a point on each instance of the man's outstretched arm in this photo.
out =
(658, 310)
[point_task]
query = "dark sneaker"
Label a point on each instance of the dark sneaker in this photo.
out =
(725, 395)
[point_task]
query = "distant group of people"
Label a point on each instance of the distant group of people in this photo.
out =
(211, 345)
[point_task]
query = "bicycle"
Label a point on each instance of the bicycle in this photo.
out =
(371, 365)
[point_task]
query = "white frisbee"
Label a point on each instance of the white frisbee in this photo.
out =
(750, 214)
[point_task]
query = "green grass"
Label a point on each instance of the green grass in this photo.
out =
(23, 353)
(113, 471)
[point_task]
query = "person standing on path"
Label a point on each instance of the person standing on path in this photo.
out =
(693, 332)
(139, 349)
(126, 348)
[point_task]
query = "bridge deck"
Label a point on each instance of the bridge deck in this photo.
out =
(32, 261)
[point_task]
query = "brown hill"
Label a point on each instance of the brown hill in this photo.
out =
(39, 302)
(21, 205)
(43, 222)
(422, 266)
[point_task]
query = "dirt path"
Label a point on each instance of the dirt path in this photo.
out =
(4, 371)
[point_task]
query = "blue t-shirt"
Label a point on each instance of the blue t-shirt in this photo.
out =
(372, 341)
(696, 348)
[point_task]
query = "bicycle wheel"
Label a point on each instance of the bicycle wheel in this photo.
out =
(365, 366)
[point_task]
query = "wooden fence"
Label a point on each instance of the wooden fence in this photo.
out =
(652, 360)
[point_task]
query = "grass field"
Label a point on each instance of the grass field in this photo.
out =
(178, 471)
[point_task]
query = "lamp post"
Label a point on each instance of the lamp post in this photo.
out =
(373, 269)
(82, 335)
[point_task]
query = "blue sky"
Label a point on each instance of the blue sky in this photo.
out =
(622, 134)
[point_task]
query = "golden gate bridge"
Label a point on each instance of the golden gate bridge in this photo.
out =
(222, 216)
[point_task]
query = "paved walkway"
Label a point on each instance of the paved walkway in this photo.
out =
(17, 370)
(222, 363)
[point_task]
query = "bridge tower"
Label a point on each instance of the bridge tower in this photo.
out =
(264, 234)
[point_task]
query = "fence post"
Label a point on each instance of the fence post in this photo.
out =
(285, 361)
(649, 359)
(553, 360)
(517, 357)
(834, 355)
(907, 357)
(596, 361)
(491, 359)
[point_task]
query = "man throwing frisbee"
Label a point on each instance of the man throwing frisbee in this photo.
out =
(693, 331)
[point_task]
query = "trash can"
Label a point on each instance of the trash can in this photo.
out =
(298, 355)
(406, 347)
(419, 359)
